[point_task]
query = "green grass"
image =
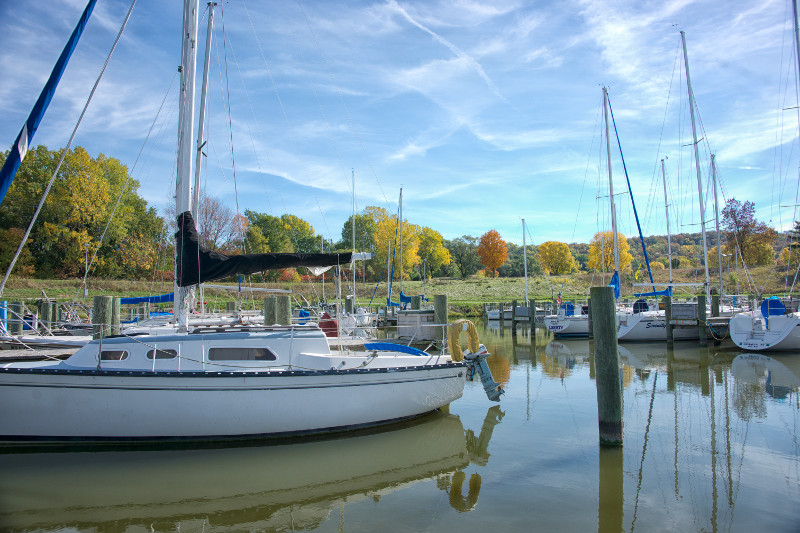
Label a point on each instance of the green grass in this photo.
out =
(465, 294)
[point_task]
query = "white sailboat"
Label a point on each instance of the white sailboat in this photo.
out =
(213, 383)
(570, 320)
(769, 327)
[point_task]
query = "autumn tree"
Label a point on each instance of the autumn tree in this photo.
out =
(365, 232)
(91, 198)
(464, 254)
(753, 238)
(601, 252)
(556, 258)
(432, 250)
(273, 235)
(492, 250)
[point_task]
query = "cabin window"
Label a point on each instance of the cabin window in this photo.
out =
(162, 354)
(241, 354)
(113, 355)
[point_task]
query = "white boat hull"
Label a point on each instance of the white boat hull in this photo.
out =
(750, 331)
(303, 389)
(138, 406)
(650, 326)
(567, 326)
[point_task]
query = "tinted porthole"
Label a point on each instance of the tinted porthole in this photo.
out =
(241, 354)
(113, 355)
(162, 354)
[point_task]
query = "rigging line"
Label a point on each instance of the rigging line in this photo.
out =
(66, 149)
(270, 208)
(230, 119)
(321, 109)
(663, 125)
(585, 174)
(625, 168)
(347, 109)
(125, 186)
(283, 109)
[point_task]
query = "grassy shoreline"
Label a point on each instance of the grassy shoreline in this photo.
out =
(474, 291)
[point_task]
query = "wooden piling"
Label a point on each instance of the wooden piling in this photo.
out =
(514, 316)
(101, 317)
(609, 387)
(715, 305)
(45, 314)
(269, 311)
(668, 316)
(702, 328)
(116, 310)
(440, 315)
(532, 318)
(416, 302)
(283, 310)
(590, 321)
(16, 312)
(230, 307)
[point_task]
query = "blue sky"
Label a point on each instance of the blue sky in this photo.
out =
(484, 112)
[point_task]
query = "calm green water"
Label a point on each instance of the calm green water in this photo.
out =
(711, 444)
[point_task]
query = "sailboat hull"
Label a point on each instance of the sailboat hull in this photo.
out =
(102, 405)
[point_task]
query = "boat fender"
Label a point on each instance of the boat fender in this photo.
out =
(454, 334)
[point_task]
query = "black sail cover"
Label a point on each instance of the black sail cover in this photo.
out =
(196, 264)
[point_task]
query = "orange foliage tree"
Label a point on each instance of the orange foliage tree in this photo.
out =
(492, 250)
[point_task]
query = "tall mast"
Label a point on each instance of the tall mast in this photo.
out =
(353, 261)
(666, 210)
(716, 219)
(696, 159)
(525, 261)
(183, 200)
(201, 120)
(401, 240)
(611, 184)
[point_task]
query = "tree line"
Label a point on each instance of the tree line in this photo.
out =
(94, 211)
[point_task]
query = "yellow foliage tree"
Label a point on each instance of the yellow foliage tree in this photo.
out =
(387, 235)
(432, 250)
(492, 250)
(556, 258)
(601, 252)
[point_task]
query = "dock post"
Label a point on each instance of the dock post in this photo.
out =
(606, 355)
(589, 320)
(230, 307)
(283, 310)
(514, 316)
(16, 312)
(532, 317)
(269, 311)
(667, 317)
(715, 305)
(349, 304)
(440, 315)
(702, 328)
(116, 310)
(416, 303)
(45, 313)
(501, 307)
(485, 311)
(101, 317)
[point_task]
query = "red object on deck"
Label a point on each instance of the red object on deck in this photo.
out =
(329, 325)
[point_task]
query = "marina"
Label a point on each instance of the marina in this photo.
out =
(710, 444)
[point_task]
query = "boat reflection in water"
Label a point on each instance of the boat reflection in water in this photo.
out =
(289, 486)
(778, 375)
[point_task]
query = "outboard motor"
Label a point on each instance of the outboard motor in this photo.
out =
(476, 362)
